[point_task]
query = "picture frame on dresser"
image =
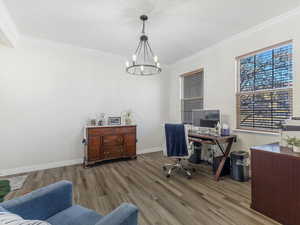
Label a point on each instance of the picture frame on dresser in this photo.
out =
(116, 120)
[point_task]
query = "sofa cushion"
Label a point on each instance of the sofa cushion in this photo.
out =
(75, 215)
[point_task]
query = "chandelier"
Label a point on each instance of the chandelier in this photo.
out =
(144, 62)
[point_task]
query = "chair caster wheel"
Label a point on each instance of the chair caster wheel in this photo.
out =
(168, 175)
(189, 177)
(164, 168)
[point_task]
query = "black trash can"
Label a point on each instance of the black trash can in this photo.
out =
(239, 166)
(196, 156)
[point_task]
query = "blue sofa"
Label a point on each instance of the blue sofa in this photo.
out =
(54, 204)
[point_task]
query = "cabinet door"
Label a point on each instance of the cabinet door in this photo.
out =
(130, 145)
(272, 184)
(295, 194)
(93, 152)
(261, 180)
(282, 188)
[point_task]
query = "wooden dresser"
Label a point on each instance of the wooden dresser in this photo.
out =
(276, 183)
(109, 142)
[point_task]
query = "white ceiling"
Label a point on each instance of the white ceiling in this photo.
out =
(177, 28)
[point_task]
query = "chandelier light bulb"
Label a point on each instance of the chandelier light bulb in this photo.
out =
(142, 68)
(127, 64)
(155, 58)
(158, 65)
(134, 57)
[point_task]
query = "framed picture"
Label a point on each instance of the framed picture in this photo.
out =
(114, 120)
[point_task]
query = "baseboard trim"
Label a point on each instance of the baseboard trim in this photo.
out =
(149, 150)
(27, 169)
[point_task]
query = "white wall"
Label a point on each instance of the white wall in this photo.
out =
(49, 90)
(219, 66)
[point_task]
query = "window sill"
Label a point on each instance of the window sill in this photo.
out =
(256, 132)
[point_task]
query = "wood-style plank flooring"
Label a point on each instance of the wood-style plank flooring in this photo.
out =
(161, 200)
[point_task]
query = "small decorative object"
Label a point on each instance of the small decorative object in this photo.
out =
(296, 146)
(128, 117)
(93, 122)
(225, 131)
(114, 120)
(289, 132)
(218, 129)
(11, 184)
(4, 189)
(293, 143)
(289, 141)
(101, 119)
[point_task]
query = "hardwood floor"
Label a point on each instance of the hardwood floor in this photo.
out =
(161, 200)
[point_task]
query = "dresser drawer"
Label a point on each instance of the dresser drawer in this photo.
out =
(112, 140)
(111, 130)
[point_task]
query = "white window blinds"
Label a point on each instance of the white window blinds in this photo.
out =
(265, 85)
(192, 95)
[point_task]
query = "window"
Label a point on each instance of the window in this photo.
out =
(192, 95)
(264, 97)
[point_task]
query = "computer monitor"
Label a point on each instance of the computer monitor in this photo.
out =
(206, 118)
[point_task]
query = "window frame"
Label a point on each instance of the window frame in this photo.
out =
(182, 99)
(239, 93)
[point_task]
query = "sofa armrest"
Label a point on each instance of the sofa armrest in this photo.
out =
(126, 214)
(42, 203)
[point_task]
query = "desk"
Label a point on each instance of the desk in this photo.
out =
(275, 182)
(215, 140)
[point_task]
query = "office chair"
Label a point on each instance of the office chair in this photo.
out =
(178, 147)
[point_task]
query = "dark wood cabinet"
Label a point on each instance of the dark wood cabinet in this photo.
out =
(275, 183)
(111, 142)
